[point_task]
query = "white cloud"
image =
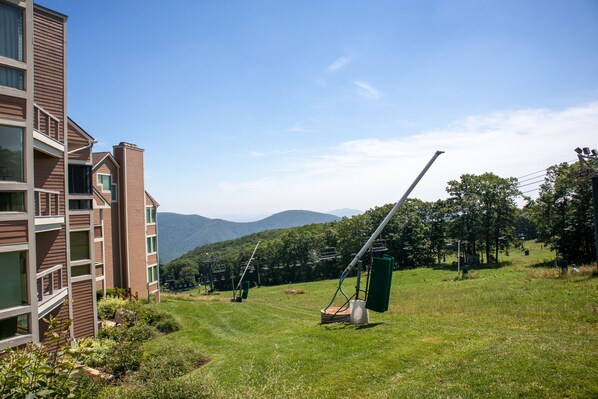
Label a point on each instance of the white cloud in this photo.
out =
(368, 91)
(340, 63)
(373, 171)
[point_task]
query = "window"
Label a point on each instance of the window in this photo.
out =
(11, 32)
(13, 284)
(80, 270)
(152, 274)
(11, 154)
(114, 194)
(12, 326)
(150, 215)
(79, 179)
(12, 77)
(79, 245)
(12, 201)
(152, 244)
(80, 204)
(106, 182)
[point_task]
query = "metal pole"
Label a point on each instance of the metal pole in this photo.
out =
(376, 233)
(247, 266)
(458, 257)
(595, 202)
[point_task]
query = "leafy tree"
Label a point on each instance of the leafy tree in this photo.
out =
(563, 213)
(483, 211)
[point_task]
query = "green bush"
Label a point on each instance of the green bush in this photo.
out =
(169, 361)
(108, 306)
(34, 371)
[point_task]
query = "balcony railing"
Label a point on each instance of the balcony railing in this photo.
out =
(46, 123)
(49, 284)
(47, 203)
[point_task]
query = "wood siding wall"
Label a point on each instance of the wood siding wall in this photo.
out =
(50, 249)
(13, 108)
(133, 216)
(49, 64)
(13, 232)
(110, 233)
(75, 142)
(77, 221)
(62, 314)
(49, 175)
(83, 315)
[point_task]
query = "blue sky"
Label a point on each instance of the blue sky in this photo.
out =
(246, 108)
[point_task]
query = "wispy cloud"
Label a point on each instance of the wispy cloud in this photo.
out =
(340, 63)
(260, 154)
(373, 171)
(368, 91)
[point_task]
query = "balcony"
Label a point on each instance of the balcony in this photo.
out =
(47, 210)
(51, 291)
(46, 132)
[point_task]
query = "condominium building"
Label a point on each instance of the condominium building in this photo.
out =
(56, 246)
(126, 238)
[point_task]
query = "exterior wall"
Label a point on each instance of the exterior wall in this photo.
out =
(108, 225)
(49, 94)
(80, 220)
(50, 64)
(83, 295)
(132, 209)
(15, 108)
(13, 232)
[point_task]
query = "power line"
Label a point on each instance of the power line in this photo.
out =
(529, 184)
(529, 191)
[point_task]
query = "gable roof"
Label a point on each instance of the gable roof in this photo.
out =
(152, 199)
(98, 158)
(81, 131)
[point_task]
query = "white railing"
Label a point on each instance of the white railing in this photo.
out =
(47, 203)
(49, 284)
(44, 122)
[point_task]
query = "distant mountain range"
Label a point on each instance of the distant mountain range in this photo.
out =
(345, 212)
(179, 234)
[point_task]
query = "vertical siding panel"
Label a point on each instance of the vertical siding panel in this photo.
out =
(83, 316)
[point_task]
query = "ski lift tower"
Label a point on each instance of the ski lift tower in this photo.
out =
(377, 295)
(241, 291)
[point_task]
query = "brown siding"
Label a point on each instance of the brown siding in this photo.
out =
(11, 107)
(49, 175)
(99, 271)
(77, 141)
(50, 249)
(49, 64)
(152, 259)
(151, 230)
(110, 232)
(99, 257)
(76, 220)
(13, 232)
(133, 215)
(83, 316)
(62, 314)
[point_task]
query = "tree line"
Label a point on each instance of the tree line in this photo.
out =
(480, 214)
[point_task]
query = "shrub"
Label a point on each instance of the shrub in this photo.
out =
(35, 371)
(108, 306)
(169, 361)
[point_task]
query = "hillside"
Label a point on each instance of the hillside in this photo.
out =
(513, 331)
(181, 233)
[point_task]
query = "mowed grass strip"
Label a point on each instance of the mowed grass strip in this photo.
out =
(504, 333)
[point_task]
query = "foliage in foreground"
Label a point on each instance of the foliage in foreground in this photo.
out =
(38, 371)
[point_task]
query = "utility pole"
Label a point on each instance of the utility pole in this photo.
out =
(585, 155)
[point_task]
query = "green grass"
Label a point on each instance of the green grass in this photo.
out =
(508, 332)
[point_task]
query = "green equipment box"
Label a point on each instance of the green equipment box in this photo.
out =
(380, 281)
